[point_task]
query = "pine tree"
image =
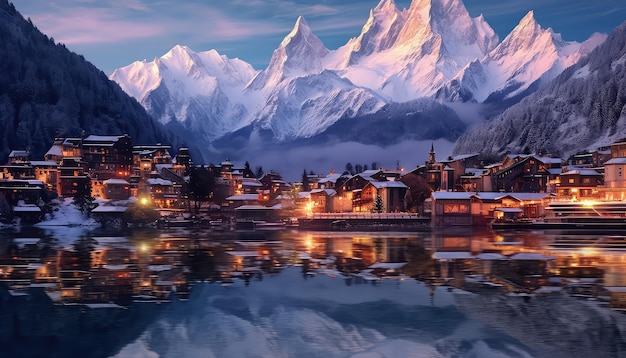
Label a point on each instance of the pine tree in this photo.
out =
(247, 172)
(305, 181)
(349, 168)
(378, 205)
(259, 172)
(83, 199)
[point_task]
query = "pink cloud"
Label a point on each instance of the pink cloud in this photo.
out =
(92, 26)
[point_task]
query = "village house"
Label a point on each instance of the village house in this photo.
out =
(71, 176)
(391, 192)
(579, 184)
(18, 166)
(108, 156)
(475, 179)
(273, 185)
(322, 200)
(162, 192)
(467, 209)
(526, 173)
(116, 189)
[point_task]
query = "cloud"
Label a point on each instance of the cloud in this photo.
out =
(83, 25)
(290, 162)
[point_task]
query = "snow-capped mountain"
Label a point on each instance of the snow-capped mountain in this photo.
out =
(433, 50)
(583, 108)
(527, 55)
(302, 99)
(200, 90)
(408, 54)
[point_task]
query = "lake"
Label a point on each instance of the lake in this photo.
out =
(184, 293)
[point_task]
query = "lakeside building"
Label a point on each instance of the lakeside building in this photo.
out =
(479, 208)
(457, 187)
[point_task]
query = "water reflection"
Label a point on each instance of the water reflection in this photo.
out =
(288, 293)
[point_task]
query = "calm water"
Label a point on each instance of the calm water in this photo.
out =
(295, 294)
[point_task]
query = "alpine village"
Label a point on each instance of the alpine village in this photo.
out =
(110, 177)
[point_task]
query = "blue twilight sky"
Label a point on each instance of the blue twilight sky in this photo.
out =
(114, 33)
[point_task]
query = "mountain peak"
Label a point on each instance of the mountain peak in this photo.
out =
(385, 6)
(300, 48)
(300, 29)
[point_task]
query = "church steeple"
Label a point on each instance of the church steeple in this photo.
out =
(431, 155)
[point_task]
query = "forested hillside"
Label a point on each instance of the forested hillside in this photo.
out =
(583, 108)
(48, 91)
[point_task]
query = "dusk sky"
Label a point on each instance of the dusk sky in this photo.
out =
(114, 33)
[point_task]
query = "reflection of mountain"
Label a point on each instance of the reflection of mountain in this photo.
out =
(288, 316)
(554, 326)
(33, 327)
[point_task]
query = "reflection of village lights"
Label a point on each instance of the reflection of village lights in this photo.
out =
(588, 251)
(143, 248)
(309, 208)
(588, 203)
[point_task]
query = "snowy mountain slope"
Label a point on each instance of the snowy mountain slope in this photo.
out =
(582, 108)
(433, 49)
(202, 91)
(300, 98)
(528, 54)
(410, 54)
(299, 54)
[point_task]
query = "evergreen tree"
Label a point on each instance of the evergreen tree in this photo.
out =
(378, 205)
(140, 215)
(305, 181)
(259, 172)
(201, 186)
(358, 168)
(247, 172)
(83, 199)
(349, 168)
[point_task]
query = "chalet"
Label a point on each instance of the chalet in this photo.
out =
(274, 185)
(466, 209)
(161, 191)
(391, 192)
(475, 180)
(183, 157)
(248, 186)
(331, 181)
(54, 154)
(579, 184)
(108, 157)
(322, 200)
(17, 171)
(116, 189)
(18, 157)
(147, 157)
(526, 173)
(350, 193)
(27, 191)
(458, 166)
(71, 176)
(70, 147)
(235, 201)
(615, 179)
(47, 172)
